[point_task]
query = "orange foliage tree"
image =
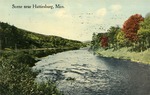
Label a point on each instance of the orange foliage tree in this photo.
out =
(131, 26)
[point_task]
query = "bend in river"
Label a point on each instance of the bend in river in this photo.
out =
(79, 72)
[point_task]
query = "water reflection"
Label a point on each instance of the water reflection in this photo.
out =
(81, 73)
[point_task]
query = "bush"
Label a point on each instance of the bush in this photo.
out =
(20, 57)
(18, 79)
(25, 59)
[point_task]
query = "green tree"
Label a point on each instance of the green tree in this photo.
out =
(144, 33)
(121, 40)
(94, 42)
(112, 35)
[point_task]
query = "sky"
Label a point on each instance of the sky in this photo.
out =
(78, 20)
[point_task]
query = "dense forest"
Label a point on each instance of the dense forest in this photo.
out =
(12, 37)
(134, 34)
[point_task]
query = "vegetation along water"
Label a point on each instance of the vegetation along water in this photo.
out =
(19, 51)
(131, 41)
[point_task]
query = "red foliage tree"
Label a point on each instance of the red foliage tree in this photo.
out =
(131, 26)
(104, 41)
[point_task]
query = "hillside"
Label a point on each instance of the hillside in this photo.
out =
(12, 37)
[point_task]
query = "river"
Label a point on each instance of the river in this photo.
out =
(79, 72)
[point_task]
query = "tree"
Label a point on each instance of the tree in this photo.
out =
(112, 35)
(147, 15)
(95, 41)
(104, 41)
(144, 33)
(131, 26)
(121, 40)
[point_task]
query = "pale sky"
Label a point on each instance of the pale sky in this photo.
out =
(77, 20)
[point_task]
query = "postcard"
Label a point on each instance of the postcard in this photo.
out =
(74, 47)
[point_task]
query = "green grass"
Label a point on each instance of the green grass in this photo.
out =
(124, 53)
(17, 78)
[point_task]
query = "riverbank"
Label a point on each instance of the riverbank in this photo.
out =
(124, 53)
(16, 74)
(79, 72)
(17, 77)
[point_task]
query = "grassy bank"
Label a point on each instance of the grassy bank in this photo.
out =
(124, 53)
(16, 76)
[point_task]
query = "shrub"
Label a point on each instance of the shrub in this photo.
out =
(18, 79)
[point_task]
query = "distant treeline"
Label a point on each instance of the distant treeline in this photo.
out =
(12, 37)
(135, 34)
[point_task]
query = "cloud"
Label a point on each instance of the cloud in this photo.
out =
(116, 8)
(99, 16)
(101, 12)
(62, 13)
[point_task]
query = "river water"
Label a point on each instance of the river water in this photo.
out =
(79, 72)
